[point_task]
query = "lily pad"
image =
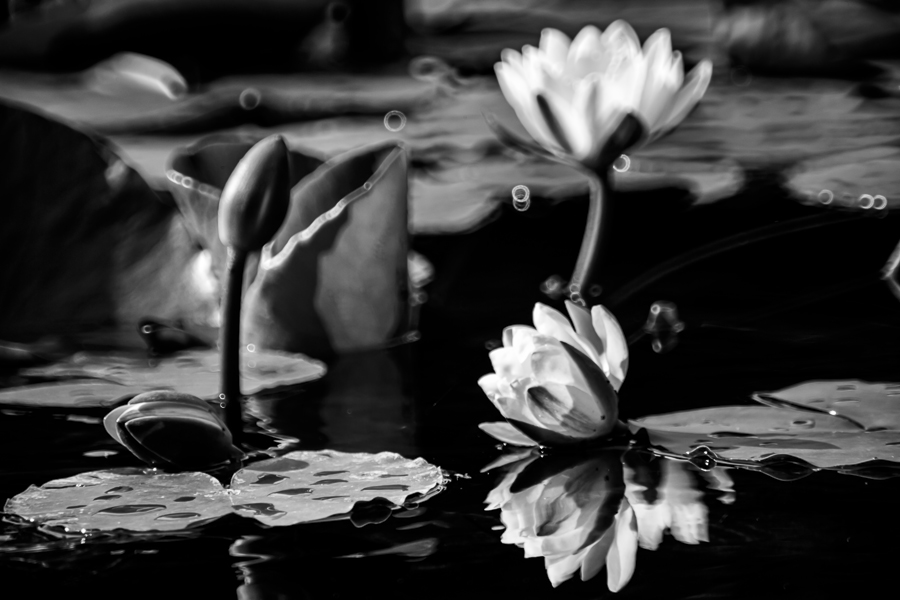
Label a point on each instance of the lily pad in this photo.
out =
(296, 488)
(874, 406)
(307, 486)
(90, 379)
(129, 498)
(825, 423)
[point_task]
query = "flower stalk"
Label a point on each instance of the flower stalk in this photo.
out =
(591, 254)
(230, 342)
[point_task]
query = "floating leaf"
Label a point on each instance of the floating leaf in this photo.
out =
(99, 379)
(873, 406)
(838, 423)
(307, 486)
(130, 498)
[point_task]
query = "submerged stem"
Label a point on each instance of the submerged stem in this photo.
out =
(230, 342)
(590, 255)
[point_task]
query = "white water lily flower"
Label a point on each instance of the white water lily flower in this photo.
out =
(572, 96)
(556, 384)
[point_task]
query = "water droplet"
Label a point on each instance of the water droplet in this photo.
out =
(521, 197)
(826, 196)
(328, 481)
(394, 486)
(147, 329)
(120, 489)
(866, 201)
(880, 202)
(251, 347)
(386, 475)
(804, 423)
(703, 458)
(131, 509)
(250, 98)
(622, 164)
(177, 516)
(83, 505)
(326, 473)
(367, 185)
(394, 121)
(108, 497)
(185, 499)
(595, 290)
(329, 497)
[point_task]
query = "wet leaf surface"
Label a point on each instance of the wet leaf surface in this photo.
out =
(825, 423)
(99, 379)
(306, 486)
(299, 487)
(129, 498)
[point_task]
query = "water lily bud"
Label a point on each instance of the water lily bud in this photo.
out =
(256, 197)
(556, 383)
(172, 430)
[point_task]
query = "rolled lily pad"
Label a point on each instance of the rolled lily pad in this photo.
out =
(307, 486)
(99, 379)
(129, 498)
(825, 423)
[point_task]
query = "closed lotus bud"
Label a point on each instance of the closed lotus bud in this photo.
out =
(557, 382)
(171, 430)
(256, 197)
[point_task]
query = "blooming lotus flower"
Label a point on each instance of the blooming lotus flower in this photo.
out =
(571, 511)
(556, 384)
(171, 430)
(574, 97)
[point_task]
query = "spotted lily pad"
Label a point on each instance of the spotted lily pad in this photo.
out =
(99, 379)
(296, 488)
(307, 486)
(825, 423)
(129, 498)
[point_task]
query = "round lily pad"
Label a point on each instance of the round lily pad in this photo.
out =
(825, 423)
(129, 498)
(307, 486)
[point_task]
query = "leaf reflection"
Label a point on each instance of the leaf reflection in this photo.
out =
(584, 512)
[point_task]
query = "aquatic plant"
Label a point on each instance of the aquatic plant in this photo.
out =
(557, 384)
(179, 430)
(589, 100)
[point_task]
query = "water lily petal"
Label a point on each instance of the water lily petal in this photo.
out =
(623, 552)
(554, 45)
(551, 322)
(567, 410)
(626, 70)
(695, 86)
(614, 344)
(506, 433)
(551, 364)
(516, 332)
(518, 92)
(659, 87)
(581, 318)
(585, 53)
(508, 363)
(594, 556)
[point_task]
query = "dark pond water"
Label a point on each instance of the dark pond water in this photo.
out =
(798, 303)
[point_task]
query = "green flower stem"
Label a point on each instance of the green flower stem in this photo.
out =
(591, 253)
(230, 342)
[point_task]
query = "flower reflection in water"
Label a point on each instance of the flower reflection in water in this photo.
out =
(581, 512)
